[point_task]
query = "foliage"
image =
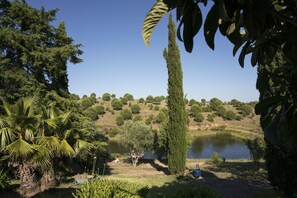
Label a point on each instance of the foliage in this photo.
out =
(219, 128)
(34, 53)
(161, 140)
(230, 115)
(191, 102)
(116, 104)
(246, 110)
(135, 108)
(199, 117)
(100, 109)
(137, 118)
(112, 132)
(215, 103)
(128, 96)
(124, 100)
(106, 97)
(91, 113)
(149, 99)
(221, 111)
(120, 120)
(110, 188)
(161, 117)
(157, 100)
(195, 108)
(282, 169)
(256, 148)
(138, 137)
(210, 117)
(4, 182)
(183, 190)
(126, 114)
(149, 120)
(156, 108)
(216, 159)
(177, 122)
(141, 100)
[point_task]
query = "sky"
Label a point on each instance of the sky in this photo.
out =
(116, 60)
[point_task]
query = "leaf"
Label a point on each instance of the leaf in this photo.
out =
(80, 144)
(66, 149)
(243, 53)
(265, 104)
(156, 13)
(222, 10)
(197, 19)
(254, 58)
(211, 26)
(20, 149)
(231, 29)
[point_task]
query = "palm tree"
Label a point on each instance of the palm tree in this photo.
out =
(17, 135)
(60, 138)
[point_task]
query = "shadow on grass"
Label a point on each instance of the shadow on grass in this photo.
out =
(56, 193)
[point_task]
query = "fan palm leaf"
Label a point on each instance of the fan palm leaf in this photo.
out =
(66, 149)
(81, 144)
(20, 149)
(6, 137)
(158, 10)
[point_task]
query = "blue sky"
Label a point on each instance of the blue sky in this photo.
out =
(116, 60)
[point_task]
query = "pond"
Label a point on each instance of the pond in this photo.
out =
(202, 148)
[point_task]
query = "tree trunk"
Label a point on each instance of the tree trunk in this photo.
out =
(48, 180)
(29, 183)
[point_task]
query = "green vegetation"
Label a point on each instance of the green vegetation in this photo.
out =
(4, 182)
(138, 138)
(177, 122)
(216, 159)
(199, 118)
(126, 114)
(135, 108)
(257, 149)
(116, 104)
(106, 97)
(120, 120)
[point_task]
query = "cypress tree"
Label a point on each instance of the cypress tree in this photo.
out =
(177, 124)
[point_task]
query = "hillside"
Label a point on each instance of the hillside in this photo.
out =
(212, 119)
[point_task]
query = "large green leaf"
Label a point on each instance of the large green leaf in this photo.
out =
(80, 144)
(6, 137)
(211, 26)
(20, 149)
(151, 20)
(66, 149)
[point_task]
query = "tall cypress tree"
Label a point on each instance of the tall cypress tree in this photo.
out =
(177, 124)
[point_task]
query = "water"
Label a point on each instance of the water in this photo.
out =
(201, 148)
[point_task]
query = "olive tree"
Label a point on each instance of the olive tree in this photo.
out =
(138, 138)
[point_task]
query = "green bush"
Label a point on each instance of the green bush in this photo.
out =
(126, 114)
(128, 96)
(91, 113)
(195, 108)
(113, 132)
(120, 120)
(100, 109)
(102, 188)
(106, 97)
(210, 118)
(124, 101)
(161, 117)
(137, 118)
(256, 148)
(156, 108)
(149, 99)
(116, 104)
(199, 117)
(230, 115)
(216, 159)
(4, 182)
(157, 100)
(135, 108)
(141, 100)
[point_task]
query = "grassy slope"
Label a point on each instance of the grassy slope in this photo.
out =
(246, 126)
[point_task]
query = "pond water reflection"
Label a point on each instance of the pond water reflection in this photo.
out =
(202, 148)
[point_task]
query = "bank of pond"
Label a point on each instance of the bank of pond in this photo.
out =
(201, 147)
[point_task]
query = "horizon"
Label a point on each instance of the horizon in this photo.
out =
(116, 60)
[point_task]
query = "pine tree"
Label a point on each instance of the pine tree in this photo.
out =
(177, 124)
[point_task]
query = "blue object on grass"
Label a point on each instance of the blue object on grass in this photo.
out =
(196, 173)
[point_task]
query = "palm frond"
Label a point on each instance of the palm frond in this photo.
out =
(66, 149)
(81, 144)
(158, 10)
(42, 157)
(20, 149)
(6, 137)
(7, 106)
(51, 142)
(29, 135)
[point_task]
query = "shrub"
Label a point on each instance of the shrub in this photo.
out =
(126, 114)
(199, 117)
(91, 113)
(215, 103)
(106, 97)
(157, 100)
(86, 103)
(218, 128)
(149, 120)
(116, 104)
(246, 110)
(113, 132)
(221, 111)
(135, 108)
(156, 108)
(120, 120)
(113, 95)
(128, 96)
(195, 109)
(149, 99)
(256, 148)
(230, 115)
(100, 109)
(161, 117)
(141, 100)
(216, 159)
(137, 118)
(110, 188)
(210, 118)
(191, 102)
(124, 101)
(4, 182)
